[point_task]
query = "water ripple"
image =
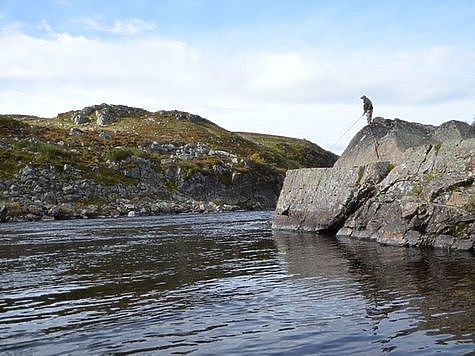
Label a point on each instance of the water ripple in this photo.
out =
(224, 284)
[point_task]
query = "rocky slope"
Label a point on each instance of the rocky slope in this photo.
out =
(112, 160)
(397, 182)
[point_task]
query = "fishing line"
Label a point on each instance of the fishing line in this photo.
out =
(344, 133)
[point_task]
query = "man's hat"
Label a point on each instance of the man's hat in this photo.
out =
(363, 97)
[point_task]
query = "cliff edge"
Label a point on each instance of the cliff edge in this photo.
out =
(398, 183)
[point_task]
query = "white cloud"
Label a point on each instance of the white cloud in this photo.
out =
(308, 93)
(11, 27)
(44, 26)
(126, 27)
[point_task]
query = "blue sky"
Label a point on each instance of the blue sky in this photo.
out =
(349, 23)
(283, 67)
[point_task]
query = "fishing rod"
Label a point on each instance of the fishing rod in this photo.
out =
(344, 133)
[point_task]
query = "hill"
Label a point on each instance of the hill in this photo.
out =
(107, 160)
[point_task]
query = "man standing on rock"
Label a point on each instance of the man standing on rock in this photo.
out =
(367, 109)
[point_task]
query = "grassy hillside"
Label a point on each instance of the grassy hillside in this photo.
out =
(291, 152)
(44, 141)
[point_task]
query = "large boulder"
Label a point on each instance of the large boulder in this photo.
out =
(81, 119)
(388, 140)
(320, 199)
(421, 193)
(427, 201)
(104, 117)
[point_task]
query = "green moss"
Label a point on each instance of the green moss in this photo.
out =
(11, 161)
(226, 178)
(203, 166)
(360, 174)
(14, 209)
(217, 201)
(188, 169)
(289, 153)
(470, 206)
(428, 177)
(48, 151)
(110, 177)
(90, 201)
(416, 190)
(22, 152)
(459, 230)
(170, 184)
(257, 157)
(121, 154)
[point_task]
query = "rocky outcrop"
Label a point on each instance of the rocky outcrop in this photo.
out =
(145, 163)
(399, 183)
(106, 114)
(311, 201)
(104, 117)
(38, 193)
(388, 140)
(80, 119)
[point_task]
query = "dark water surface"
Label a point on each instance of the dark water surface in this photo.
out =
(225, 284)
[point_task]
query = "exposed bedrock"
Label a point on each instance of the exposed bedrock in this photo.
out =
(408, 184)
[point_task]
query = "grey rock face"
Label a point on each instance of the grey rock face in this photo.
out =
(80, 119)
(311, 201)
(141, 169)
(388, 140)
(185, 116)
(431, 195)
(114, 110)
(104, 117)
(424, 195)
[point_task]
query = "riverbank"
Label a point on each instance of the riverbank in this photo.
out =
(114, 160)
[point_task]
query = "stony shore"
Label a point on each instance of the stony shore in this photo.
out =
(113, 160)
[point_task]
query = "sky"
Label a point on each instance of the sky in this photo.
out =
(295, 68)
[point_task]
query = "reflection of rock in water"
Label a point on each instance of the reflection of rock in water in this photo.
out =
(432, 288)
(308, 256)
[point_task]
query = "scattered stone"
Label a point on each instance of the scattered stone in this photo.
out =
(28, 171)
(49, 197)
(68, 189)
(105, 135)
(133, 172)
(131, 214)
(74, 131)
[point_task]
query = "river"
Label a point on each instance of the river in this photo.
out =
(225, 284)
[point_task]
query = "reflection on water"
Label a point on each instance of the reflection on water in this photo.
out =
(410, 294)
(221, 284)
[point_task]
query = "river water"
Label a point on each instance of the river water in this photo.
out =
(225, 284)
